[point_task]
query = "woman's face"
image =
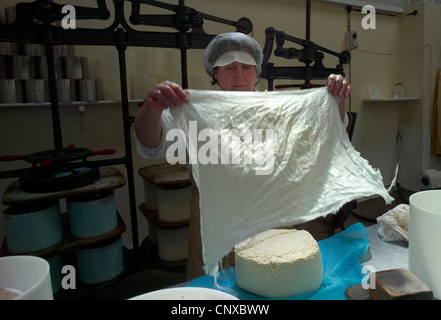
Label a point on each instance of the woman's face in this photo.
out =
(236, 76)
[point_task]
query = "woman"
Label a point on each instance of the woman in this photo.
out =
(233, 60)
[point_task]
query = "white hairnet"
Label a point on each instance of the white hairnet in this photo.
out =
(232, 41)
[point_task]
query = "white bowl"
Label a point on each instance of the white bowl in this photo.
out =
(27, 274)
(186, 293)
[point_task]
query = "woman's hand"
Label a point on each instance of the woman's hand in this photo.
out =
(166, 95)
(338, 86)
(148, 125)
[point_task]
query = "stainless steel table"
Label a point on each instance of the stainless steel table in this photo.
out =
(383, 255)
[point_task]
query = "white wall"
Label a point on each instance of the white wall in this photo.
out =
(420, 58)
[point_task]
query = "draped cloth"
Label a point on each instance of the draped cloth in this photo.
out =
(306, 169)
(436, 118)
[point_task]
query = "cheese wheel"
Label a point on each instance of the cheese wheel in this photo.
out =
(279, 263)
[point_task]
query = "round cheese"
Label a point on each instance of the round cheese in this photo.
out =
(279, 263)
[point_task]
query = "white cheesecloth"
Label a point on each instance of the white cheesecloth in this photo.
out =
(315, 171)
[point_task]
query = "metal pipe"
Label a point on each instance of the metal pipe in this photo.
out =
(184, 71)
(308, 20)
(121, 46)
(308, 38)
(58, 141)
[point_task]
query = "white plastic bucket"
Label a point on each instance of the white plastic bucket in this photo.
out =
(172, 243)
(425, 238)
(91, 216)
(27, 274)
(174, 204)
(98, 264)
(30, 228)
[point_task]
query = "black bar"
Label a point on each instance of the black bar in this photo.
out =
(308, 20)
(58, 140)
(121, 45)
(15, 173)
(298, 73)
(184, 71)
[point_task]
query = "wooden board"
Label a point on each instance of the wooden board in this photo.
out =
(357, 292)
(166, 176)
(399, 284)
(110, 178)
(395, 284)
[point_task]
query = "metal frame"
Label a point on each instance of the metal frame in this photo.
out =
(34, 24)
(310, 53)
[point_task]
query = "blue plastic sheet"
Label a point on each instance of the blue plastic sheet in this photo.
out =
(341, 255)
